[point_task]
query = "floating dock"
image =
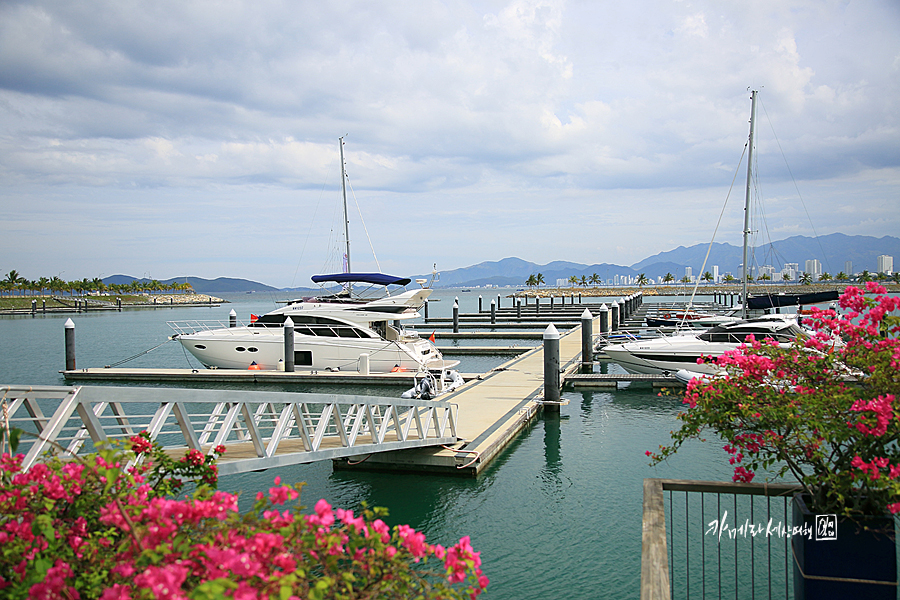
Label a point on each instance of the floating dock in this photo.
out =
(204, 376)
(492, 411)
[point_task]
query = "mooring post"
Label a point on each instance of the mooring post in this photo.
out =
(288, 345)
(614, 316)
(119, 304)
(44, 306)
(498, 301)
(456, 316)
(493, 313)
(480, 305)
(587, 342)
(551, 367)
(364, 363)
(579, 297)
(426, 309)
(33, 307)
(551, 302)
(537, 306)
(518, 309)
(70, 344)
(232, 318)
(604, 318)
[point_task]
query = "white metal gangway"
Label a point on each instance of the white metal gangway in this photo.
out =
(259, 430)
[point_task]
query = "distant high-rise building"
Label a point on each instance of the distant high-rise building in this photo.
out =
(885, 264)
(848, 268)
(791, 272)
(688, 272)
(814, 268)
(767, 270)
(715, 273)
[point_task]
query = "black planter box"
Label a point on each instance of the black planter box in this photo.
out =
(845, 558)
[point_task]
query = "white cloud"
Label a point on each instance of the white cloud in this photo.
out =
(615, 126)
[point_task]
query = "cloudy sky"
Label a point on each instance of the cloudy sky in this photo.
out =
(175, 138)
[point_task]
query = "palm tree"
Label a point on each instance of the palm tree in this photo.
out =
(865, 276)
(805, 278)
(642, 280)
(583, 281)
(595, 279)
(685, 279)
(764, 277)
(841, 276)
(14, 280)
(825, 276)
(896, 276)
(539, 279)
(707, 277)
(729, 278)
(573, 280)
(669, 278)
(531, 281)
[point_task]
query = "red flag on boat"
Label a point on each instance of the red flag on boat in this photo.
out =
(431, 339)
(253, 318)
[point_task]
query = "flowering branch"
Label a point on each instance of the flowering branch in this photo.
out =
(90, 528)
(822, 409)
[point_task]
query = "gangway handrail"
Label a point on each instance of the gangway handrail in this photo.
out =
(259, 429)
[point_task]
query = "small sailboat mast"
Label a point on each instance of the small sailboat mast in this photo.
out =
(746, 271)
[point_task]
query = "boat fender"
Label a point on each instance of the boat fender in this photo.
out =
(254, 367)
(398, 369)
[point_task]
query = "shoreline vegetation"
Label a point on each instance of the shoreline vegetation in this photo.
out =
(53, 303)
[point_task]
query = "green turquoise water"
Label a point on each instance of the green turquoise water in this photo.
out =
(557, 514)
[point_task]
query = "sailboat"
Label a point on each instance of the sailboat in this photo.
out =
(332, 332)
(683, 351)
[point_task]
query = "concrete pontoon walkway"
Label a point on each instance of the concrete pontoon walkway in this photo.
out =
(492, 410)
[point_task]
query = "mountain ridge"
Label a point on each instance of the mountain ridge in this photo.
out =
(831, 250)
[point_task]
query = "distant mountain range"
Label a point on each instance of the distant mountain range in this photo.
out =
(831, 250)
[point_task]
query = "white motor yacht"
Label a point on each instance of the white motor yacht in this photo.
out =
(330, 333)
(669, 354)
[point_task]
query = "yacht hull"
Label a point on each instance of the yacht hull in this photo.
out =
(635, 359)
(238, 348)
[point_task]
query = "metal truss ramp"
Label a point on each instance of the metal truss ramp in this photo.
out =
(259, 430)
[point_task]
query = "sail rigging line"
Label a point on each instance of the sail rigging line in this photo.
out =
(311, 223)
(719, 222)
(796, 187)
(363, 221)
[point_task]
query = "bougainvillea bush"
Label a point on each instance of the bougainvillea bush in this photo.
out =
(105, 527)
(824, 410)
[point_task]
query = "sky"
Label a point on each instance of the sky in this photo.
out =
(182, 138)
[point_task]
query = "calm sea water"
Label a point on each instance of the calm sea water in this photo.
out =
(557, 514)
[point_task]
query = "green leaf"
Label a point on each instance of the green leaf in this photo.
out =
(14, 435)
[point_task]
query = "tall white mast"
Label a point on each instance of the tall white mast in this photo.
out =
(344, 192)
(746, 270)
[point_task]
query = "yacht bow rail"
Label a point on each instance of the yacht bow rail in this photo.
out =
(188, 327)
(259, 430)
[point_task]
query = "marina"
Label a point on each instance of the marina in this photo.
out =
(582, 465)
